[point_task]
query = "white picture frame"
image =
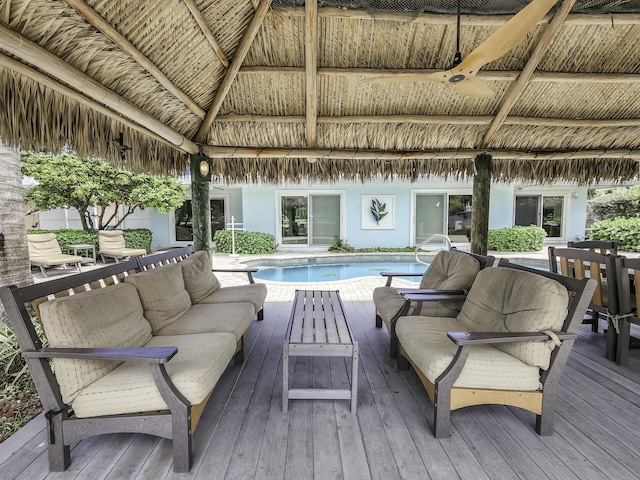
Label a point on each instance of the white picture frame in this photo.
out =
(384, 204)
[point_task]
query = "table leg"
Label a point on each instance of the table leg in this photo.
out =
(354, 378)
(285, 377)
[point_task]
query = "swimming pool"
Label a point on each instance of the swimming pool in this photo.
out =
(335, 269)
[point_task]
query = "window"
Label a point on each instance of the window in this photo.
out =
(183, 219)
(310, 219)
(443, 214)
(544, 211)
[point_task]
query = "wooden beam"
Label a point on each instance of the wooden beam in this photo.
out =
(202, 23)
(5, 12)
(48, 82)
(481, 196)
(438, 120)
(311, 67)
(516, 90)
(495, 75)
(614, 19)
(240, 54)
(215, 151)
(24, 49)
(127, 47)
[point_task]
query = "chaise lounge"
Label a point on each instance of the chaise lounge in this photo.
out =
(111, 244)
(44, 252)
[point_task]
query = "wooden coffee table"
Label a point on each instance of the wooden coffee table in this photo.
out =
(318, 327)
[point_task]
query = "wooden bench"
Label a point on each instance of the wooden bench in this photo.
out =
(318, 327)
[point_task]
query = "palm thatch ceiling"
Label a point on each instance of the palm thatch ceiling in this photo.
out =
(281, 89)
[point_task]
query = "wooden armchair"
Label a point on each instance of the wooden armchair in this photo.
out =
(628, 275)
(508, 345)
(443, 288)
(599, 246)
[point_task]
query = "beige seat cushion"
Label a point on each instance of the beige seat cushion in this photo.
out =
(450, 270)
(111, 242)
(425, 341)
(389, 303)
(216, 317)
(130, 388)
(508, 300)
(199, 280)
(45, 250)
(101, 318)
(162, 293)
(254, 293)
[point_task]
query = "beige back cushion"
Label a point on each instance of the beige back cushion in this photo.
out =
(43, 244)
(162, 293)
(508, 300)
(199, 280)
(450, 271)
(111, 239)
(101, 318)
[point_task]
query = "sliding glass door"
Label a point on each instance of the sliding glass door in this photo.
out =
(546, 211)
(311, 219)
(444, 214)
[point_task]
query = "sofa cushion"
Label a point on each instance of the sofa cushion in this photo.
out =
(101, 318)
(162, 293)
(254, 293)
(199, 280)
(195, 370)
(389, 302)
(509, 300)
(425, 341)
(450, 270)
(216, 317)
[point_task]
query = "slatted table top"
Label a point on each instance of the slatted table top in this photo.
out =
(317, 317)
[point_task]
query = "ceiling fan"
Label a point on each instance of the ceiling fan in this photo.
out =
(462, 73)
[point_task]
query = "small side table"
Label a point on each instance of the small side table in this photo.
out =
(89, 249)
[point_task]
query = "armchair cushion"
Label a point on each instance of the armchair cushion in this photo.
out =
(425, 341)
(509, 300)
(256, 293)
(199, 280)
(101, 318)
(162, 293)
(450, 270)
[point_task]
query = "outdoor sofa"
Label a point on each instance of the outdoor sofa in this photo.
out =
(133, 350)
(508, 345)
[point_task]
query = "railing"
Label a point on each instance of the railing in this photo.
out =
(428, 239)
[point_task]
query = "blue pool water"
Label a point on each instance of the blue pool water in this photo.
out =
(312, 270)
(330, 272)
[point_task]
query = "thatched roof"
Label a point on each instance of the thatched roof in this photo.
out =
(245, 82)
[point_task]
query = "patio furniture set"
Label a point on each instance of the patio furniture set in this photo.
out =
(466, 323)
(45, 252)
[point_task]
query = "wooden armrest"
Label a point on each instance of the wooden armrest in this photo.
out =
(248, 271)
(420, 297)
(140, 354)
(480, 338)
(396, 274)
(430, 291)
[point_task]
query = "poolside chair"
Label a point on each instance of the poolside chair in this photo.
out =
(443, 288)
(599, 246)
(111, 245)
(44, 252)
(628, 281)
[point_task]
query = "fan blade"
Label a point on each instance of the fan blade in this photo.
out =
(507, 36)
(473, 87)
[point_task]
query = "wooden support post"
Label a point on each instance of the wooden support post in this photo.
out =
(481, 194)
(201, 212)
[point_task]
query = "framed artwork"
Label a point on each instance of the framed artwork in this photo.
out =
(377, 212)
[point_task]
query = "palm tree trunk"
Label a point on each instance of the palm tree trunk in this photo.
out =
(14, 253)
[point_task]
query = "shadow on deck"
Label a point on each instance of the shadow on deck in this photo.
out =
(243, 433)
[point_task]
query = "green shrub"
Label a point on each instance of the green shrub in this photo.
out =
(338, 246)
(517, 239)
(625, 231)
(246, 242)
(133, 238)
(615, 202)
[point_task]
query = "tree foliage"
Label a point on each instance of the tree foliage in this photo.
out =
(615, 202)
(67, 180)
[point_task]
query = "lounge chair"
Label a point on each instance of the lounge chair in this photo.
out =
(44, 252)
(451, 272)
(111, 245)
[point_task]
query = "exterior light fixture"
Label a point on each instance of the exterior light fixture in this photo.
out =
(200, 168)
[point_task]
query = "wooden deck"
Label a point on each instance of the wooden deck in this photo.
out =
(245, 435)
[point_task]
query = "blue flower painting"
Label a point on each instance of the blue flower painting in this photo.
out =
(378, 210)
